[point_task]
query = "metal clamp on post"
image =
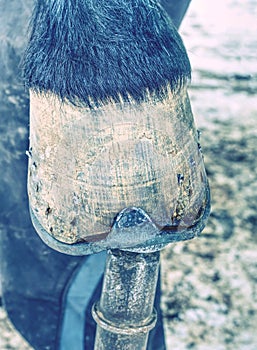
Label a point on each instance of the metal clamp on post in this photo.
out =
(145, 327)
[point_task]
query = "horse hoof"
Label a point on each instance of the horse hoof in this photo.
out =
(87, 165)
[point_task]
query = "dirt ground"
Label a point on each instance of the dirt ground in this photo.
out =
(210, 291)
(210, 298)
(209, 284)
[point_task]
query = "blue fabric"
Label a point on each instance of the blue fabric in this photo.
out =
(176, 10)
(77, 301)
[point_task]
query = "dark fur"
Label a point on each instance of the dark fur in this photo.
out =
(94, 50)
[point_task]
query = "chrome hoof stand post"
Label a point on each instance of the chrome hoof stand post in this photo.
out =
(125, 312)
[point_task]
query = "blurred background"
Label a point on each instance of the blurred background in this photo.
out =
(210, 290)
(209, 284)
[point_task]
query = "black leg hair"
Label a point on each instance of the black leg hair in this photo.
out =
(93, 51)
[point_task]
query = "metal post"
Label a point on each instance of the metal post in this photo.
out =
(125, 313)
